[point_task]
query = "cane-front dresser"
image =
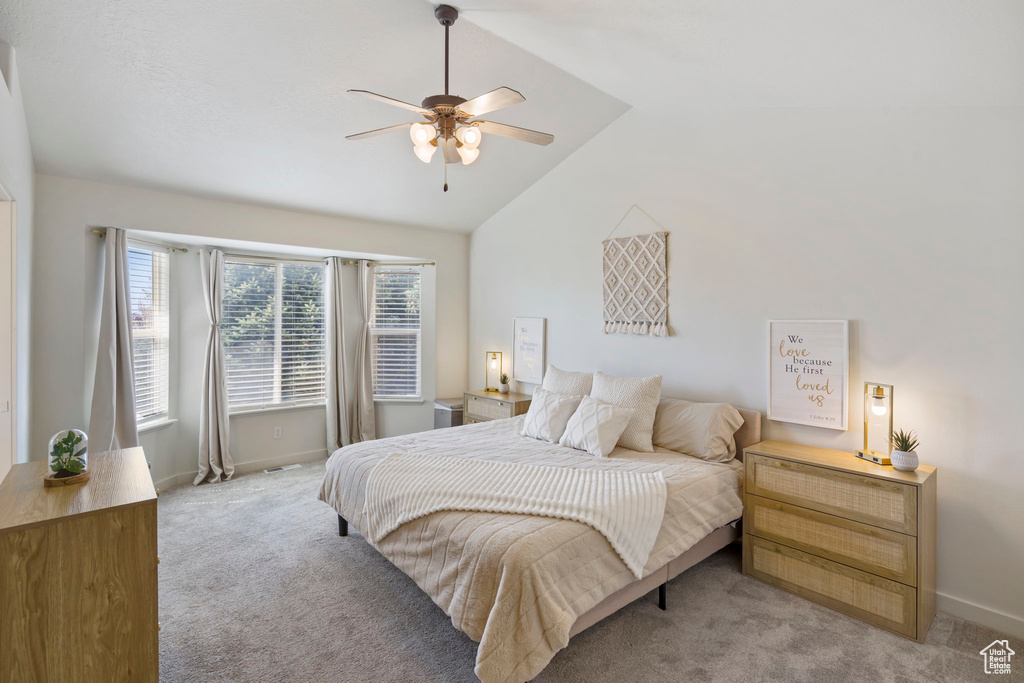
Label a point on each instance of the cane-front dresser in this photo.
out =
(843, 532)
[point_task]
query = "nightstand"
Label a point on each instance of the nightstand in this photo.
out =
(483, 406)
(846, 533)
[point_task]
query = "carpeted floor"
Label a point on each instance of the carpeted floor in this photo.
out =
(256, 585)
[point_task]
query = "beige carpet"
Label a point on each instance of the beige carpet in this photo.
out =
(256, 585)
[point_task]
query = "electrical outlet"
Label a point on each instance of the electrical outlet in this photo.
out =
(278, 432)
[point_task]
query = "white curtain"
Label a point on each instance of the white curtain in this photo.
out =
(338, 407)
(214, 456)
(112, 421)
(363, 425)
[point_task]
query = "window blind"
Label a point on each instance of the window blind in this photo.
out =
(148, 282)
(272, 327)
(395, 332)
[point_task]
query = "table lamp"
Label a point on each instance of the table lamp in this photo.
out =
(877, 423)
(493, 372)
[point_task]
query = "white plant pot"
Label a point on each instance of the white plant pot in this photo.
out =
(502, 388)
(903, 461)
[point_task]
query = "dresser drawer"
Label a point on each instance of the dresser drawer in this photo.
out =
(878, 502)
(868, 597)
(470, 420)
(879, 551)
(489, 408)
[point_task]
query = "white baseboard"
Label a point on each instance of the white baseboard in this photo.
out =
(246, 467)
(1005, 624)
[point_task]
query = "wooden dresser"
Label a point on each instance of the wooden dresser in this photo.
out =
(482, 406)
(843, 532)
(78, 576)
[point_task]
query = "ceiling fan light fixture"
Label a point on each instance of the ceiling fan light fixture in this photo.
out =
(468, 154)
(469, 136)
(421, 133)
(424, 152)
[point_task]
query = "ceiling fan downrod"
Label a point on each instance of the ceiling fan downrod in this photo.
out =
(446, 16)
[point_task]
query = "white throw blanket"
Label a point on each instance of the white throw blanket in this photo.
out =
(626, 507)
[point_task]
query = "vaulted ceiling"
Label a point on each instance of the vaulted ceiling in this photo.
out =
(777, 52)
(245, 99)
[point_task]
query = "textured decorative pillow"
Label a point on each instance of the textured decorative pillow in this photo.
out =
(639, 393)
(595, 427)
(549, 413)
(567, 382)
(702, 429)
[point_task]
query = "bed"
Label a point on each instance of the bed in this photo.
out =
(521, 586)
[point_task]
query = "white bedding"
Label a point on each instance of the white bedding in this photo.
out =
(626, 507)
(517, 583)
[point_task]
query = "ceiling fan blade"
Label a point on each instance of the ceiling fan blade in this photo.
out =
(491, 101)
(393, 102)
(524, 134)
(378, 131)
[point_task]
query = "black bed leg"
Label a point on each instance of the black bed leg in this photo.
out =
(663, 596)
(343, 527)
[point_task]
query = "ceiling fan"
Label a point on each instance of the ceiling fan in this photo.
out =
(448, 117)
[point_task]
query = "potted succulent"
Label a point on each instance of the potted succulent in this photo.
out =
(69, 458)
(904, 444)
(503, 387)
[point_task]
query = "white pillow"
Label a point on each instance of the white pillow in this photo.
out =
(567, 382)
(548, 414)
(702, 429)
(639, 393)
(595, 427)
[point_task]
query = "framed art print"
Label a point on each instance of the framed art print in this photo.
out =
(808, 372)
(528, 350)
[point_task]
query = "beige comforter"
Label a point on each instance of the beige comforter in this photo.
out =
(517, 583)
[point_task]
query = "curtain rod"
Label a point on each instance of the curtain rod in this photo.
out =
(308, 260)
(103, 231)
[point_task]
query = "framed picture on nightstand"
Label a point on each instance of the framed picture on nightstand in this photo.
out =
(808, 372)
(528, 350)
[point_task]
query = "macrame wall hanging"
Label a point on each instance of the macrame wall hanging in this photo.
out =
(636, 282)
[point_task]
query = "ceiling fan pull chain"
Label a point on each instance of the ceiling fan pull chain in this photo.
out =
(445, 176)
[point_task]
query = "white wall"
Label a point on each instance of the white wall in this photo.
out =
(16, 179)
(907, 221)
(67, 292)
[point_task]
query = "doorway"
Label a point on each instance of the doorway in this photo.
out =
(7, 332)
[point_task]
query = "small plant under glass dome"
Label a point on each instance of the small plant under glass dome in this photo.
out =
(69, 457)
